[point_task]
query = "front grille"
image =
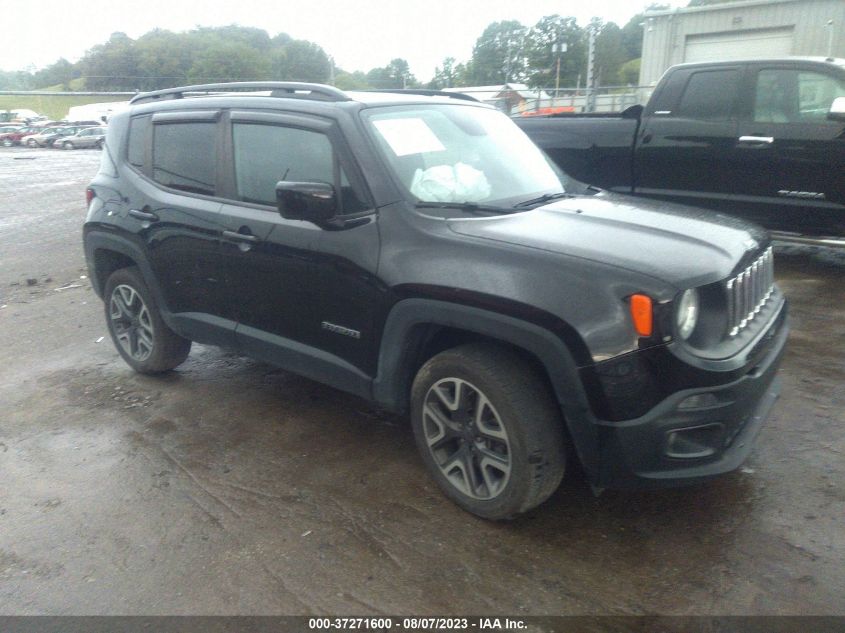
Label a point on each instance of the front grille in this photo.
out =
(749, 291)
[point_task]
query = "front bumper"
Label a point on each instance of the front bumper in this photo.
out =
(694, 434)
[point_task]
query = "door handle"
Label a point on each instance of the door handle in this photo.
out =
(239, 237)
(146, 216)
(757, 140)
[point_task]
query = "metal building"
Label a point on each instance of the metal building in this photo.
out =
(741, 30)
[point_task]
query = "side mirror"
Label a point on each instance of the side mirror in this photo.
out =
(312, 201)
(837, 110)
(633, 112)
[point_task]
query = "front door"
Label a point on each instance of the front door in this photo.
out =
(290, 282)
(789, 155)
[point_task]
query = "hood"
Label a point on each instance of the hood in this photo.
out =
(683, 246)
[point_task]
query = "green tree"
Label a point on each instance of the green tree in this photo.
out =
(351, 81)
(225, 61)
(163, 59)
(397, 74)
(499, 54)
(542, 58)
(299, 60)
(610, 53)
(58, 73)
(445, 76)
(111, 66)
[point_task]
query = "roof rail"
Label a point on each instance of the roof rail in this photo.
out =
(426, 93)
(290, 89)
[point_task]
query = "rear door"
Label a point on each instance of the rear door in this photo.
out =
(789, 157)
(172, 207)
(689, 128)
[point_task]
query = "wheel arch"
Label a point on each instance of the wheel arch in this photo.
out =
(106, 253)
(417, 329)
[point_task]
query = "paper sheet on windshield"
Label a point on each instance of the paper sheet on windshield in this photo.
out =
(408, 136)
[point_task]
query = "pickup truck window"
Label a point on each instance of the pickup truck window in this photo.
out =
(710, 95)
(784, 95)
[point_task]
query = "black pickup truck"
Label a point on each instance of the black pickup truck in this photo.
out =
(762, 139)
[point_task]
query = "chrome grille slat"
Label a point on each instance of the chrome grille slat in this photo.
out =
(748, 292)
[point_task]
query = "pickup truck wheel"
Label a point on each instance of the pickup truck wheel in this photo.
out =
(140, 335)
(488, 430)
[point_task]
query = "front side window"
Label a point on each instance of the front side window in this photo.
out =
(268, 154)
(709, 95)
(784, 95)
(457, 153)
(184, 156)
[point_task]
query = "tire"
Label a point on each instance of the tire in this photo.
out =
(67, 145)
(140, 335)
(99, 144)
(31, 143)
(489, 430)
(7, 142)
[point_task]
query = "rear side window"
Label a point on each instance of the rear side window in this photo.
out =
(710, 95)
(138, 130)
(184, 156)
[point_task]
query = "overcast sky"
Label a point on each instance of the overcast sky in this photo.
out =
(359, 34)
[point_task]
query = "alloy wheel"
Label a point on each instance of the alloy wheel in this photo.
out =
(466, 438)
(131, 322)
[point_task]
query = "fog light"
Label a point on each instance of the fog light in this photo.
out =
(699, 401)
(694, 442)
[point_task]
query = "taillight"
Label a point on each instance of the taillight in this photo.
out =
(642, 313)
(89, 196)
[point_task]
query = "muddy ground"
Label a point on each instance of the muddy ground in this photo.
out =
(229, 487)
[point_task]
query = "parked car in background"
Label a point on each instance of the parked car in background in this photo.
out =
(9, 128)
(50, 135)
(87, 137)
(7, 139)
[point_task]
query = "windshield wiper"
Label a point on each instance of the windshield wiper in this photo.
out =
(472, 207)
(546, 197)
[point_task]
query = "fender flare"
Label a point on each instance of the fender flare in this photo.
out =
(96, 241)
(391, 385)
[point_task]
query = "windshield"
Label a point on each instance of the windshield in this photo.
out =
(461, 154)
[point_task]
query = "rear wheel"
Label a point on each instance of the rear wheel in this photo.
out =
(139, 333)
(67, 145)
(488, 430)
(7, 142)
(32, 143)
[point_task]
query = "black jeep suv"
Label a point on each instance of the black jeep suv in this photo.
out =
(418, 250)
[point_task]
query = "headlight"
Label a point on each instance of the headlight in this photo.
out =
(686, 316)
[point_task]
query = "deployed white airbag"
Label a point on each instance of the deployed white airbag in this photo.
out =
(450, 183)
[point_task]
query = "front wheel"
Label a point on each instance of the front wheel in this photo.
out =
(139, 333)
(7, 142)
(488, 429)
(67, 145)
(32, 143)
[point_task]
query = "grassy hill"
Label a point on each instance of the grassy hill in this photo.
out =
(53, 107)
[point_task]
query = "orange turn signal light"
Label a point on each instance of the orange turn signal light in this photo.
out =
(642, 314)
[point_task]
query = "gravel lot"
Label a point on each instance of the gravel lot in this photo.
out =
(230, 487)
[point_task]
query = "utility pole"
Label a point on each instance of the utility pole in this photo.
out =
(830, 38)
(591, 67)
(559, 49)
